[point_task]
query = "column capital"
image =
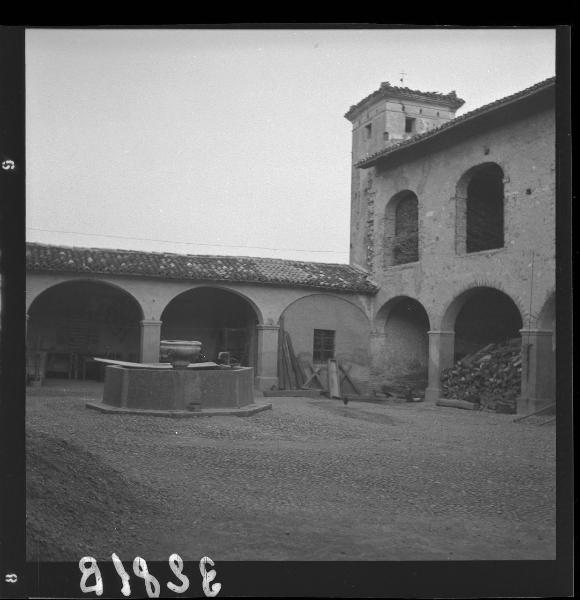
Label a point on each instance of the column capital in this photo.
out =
(151, 322)
(267, 327)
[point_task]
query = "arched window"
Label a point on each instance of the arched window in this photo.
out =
(402, 229)
(480, 204)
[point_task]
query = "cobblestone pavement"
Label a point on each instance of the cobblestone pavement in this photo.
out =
(315, 480)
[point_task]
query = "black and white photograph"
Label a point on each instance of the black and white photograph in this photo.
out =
(290, 297)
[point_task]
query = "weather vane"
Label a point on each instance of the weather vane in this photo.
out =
(402, 76)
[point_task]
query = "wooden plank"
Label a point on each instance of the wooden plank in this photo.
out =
(315, 375)
(333, 378)
(282, 384)
(453, 403)
(297, 367)
(537, 412)
(346, 376)
(123, 363)
(288, 359)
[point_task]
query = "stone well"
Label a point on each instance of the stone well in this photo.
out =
(178, 389)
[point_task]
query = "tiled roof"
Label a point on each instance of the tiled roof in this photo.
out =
(390, 91)
(238, 269)
(457, 121)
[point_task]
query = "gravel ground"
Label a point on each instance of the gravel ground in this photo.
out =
(309, 480)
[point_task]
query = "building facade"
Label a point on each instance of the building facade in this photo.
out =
(456, 224)
(86, 302)
(452, 247)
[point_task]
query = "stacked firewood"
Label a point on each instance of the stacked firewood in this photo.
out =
(490, 377)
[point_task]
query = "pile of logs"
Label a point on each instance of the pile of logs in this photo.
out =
(490, 377)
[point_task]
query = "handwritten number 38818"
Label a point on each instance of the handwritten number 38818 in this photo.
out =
(88, 566)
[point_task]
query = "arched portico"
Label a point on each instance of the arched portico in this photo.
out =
(478, 316)
(224, 321)
(325, 326)
(69, 322)
(401, 342)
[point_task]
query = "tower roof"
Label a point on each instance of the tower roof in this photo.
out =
(404, 93)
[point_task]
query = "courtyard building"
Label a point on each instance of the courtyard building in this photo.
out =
(454, 219)
(119, 304)
(452, 247)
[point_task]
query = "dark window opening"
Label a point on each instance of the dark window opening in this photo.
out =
(406, 242)
(409, 125)
(484, 211)
(323, 345)
(386, 136)
(368, 131)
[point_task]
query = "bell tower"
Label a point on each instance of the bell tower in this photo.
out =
(384, 118)
(392, 114)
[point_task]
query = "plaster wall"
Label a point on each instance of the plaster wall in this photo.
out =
(352, 327)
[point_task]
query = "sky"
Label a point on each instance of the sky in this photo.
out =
(230, 142)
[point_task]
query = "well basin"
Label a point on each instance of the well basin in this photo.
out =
(178, 389)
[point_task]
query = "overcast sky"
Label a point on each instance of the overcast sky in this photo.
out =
(230, 141)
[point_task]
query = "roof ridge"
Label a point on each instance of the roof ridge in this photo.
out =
(178, 254)
(235, 269)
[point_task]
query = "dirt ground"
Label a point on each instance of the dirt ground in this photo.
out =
(309, 480)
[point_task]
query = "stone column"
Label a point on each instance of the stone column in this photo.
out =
(441, 349)
(538, 370)
(150, 340)
(378, 367)
(267, 359)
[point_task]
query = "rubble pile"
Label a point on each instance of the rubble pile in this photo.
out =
(409, 386)
(490, 377)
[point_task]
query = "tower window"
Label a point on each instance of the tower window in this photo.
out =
(368, 131)
(323, 345)
(409, 125)
(386, 136)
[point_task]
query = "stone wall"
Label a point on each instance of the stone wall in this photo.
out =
(524, 150)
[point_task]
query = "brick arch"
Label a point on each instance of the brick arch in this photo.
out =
(30, 300)
(382, 315)
(250, 301)
(465, 178)
(401, 229)
(221, 318)
(72, 320)
(453, 307)
(336, 297)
